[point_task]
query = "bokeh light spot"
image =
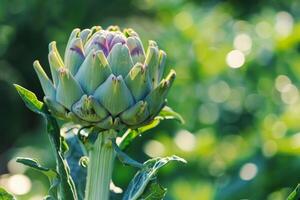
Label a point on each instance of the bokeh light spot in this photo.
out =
(219, 92)
(284, 23)
(208, 113)
(269, 148)
(235, 59)
(248, 171)
(243, 42)
(19, 184)
(154, 148)
(185, 140)
(183, 20)
(281, 82)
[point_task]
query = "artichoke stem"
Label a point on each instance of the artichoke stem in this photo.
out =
(100, 167)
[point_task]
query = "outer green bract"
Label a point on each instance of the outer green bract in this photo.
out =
(106, 79)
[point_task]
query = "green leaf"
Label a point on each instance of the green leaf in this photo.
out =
(295, 195)
(169, 113)
(50, 173)
(141, 179)
(131, 134)
(5, 195)
(67, 190)
(30, 99)
(154, 191)
(124, 158)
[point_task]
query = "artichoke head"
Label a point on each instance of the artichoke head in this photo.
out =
(106, 79)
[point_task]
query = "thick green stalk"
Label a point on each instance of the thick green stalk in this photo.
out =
(100, 167)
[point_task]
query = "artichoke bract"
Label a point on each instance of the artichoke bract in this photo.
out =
(106, 79)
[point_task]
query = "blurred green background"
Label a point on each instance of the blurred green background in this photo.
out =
(238, 66)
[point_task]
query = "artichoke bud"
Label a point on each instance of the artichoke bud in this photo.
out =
(152, 62)
(68, 89)
(156, 97)
(55, 108)
(74, 55)
(120, 60)
(106, 79)
(93, 71)
(137, 81)
(46, 83)
(135, 114)
(114, 95)
(84, 109)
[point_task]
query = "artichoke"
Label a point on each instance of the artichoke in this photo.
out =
(106, 79)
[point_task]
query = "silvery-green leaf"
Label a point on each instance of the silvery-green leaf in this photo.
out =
(30, 99)
(84, 109)
(124, 158)
(4, 195)
(152, 63)
(156, 97)
(114, 95)
(154, 191)
(55, 62)
(73, 156)
(135, 114)
(67, 189)
(137, 81)
(46, 83)
(74, 56)
(145, 175)
(120, 60)
(136, 49)
(93, 71)
(68, 89)
(51, 174)
(55, 108)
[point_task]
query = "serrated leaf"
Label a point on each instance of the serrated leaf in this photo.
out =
(141, 179)
(169, 113)
(5, 195)
(154, 191)
(67, 190)
(30, 99)
(50, 173)
(73, 156)
(295, 195)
